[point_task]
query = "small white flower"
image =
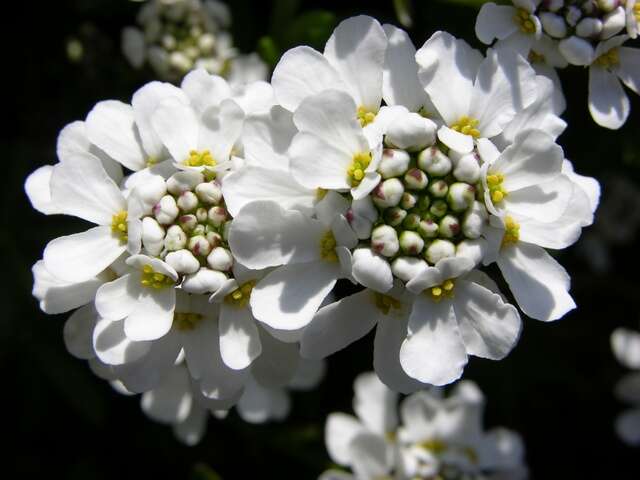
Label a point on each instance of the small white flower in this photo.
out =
(516, 27)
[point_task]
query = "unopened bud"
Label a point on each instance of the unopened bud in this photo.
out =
(576, 50)
(394, 163)
(183, 261)
(394, 216)
(449, 226)
(434, 162)
(187, 201)
(217, 216)
(460, 196)
(180, 61)
(412, 132)
(573, 15)
(411, 243)
(589, 27)
(438, 250)
(152, 236)
(554, 5)
(553, 25)
(428, 228)
(608, 5)
(188, 222)
(439, 188)
(202, 214)
(412, 221)
(384, 240)
(220, 259)
(474, 221)
(199, 246)
(409, 200)
(407, 268)
(467, 169)
(203, 281)
(184, 180)
(613, 22)
(168, 41)
(209, 193)
(199, 229)
(438, 208)
(214, 239)
(166, 210)
(175, 239)
(416, 179)
(388, 193)
(206, 43)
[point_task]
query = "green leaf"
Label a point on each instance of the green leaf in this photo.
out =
(268, 50)
(311, 28)
(202, 471)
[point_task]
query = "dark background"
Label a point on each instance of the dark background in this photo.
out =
(59, 421)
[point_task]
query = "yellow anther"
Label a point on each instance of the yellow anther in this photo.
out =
(608, 59)
(511, 232)
(497, 196)
(436, 291)
(152, 279)
(496, 190)
(386, 302)
(328, 247)
(356, 170)
(434, 445)
(186, 321)
(151, 161)
(119, 225)
(525, 22)
(467, 125)
(535, 57)
(448, 285)
(321, 193)
(636, 11)
(365, 117)
(444, 290)
(201, 158)
(241, 295)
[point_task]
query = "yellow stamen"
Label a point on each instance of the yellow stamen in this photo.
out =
(328, 247)
(525, 22)
(321, 193)
(608, 59)
(241, 295)
(496, 190)
(434, 445)
(119, 226)
(511, 232)
(156, 280)
(201, 158)
(467, 125)
(444, 290)
(385, 303)
(186, 321)
(535, 57)
(365, 117)
(151, 161)
(356, 170)
(636, 12)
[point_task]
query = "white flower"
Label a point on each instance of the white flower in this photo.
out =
(633, 17)
(516, 28)
(611, 64)
(626, 348)
(476, 97)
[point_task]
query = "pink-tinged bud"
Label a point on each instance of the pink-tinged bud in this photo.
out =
(394, 216)
(204, 281)
(461, 196)
(409, 200)
(411, 243)
(220, 259)
(439, 188)
(188, 222)
(434, 162)
(428, 228)
(388, 193)
(209, 193)
(166, 210)
(175, 239)
(384, 240)
(184, 180)
(214, 239)
(449, 226)
(199, 246)
(202, 214)
(187, 201)
(217, 216)
(412, 221)
(394, 163)
(416, 179)
(183, 261)
(438, 250)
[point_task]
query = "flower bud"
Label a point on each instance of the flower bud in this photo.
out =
(553, 25)
(416, 179)
(406, 268)
(460, 196)
(576, 50)
(394, 216)
(589, 27)
(467, 169)
(217, 215)
(434, 162)
(613, 22)
(608, 5)
(428, 228)
(411, 243)
(411, 131)
(180, 61)
(388, 193)
(199, 229)
(412, 221)
(152, 236)
(449, 226)
(168, 41)
(573, 15)
(166, 210)
(206, 43)
(214, 239)
(151, 192)
(384, 240)
(220, 259)
(184, 180)
(209, 193)
(439, 188)
(438, 250)
(203, 281)
(474, 221)
(409, 200)
(554, 5)
(394, 163)
(188, 222)
(438, 208)
(471, 249)
(199, 246)
(175, 239)
(183, 261)
(202, 215)
(187, 201)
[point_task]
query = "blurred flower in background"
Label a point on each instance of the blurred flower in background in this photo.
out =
(626, 348)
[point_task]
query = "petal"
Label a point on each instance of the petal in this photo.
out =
(629, 69)
(37, 189)
(289, 297)
(220, 129)
(204, 90)
(239, 339)
(308, 374)
(625, 344)
(278, 364)
(589, 185)
(301, 72)
(433, 351)
(81, 187)
(608, 103)
(171, 401)
(112, 345)
(339, 324)
(371, 456)
(340, 430)
(76, 258)
(628, 388)
(117, 299)
(628, 426)
(537, 281)
(455, 140)
(544, 202)
(356, 49)
(371, 270)
(490, 328)
(267, 137)
(327, 170)
(78, 332)
(264, 235)
(375, 404)
(495, 22)
(177, 127)
(111, 127)
(259, 404)
(193, 428)
(503, 450)
(153, 316)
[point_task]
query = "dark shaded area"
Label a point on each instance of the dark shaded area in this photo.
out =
(61, 421)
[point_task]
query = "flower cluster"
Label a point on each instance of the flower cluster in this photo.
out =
(176, 36)
(436, 437)
(626, 348)
(585, 33)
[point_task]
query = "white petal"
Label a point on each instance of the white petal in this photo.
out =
(434, 351)
(278, 364)
(171, 401)
(317, 164)
(259, 404)
(112, 345)
(239, 339)
(544, 202)
(193, 428)
(629, 69)
(339, 432)
(608, 103)
(177, 127)
(37, 189)
(111, 126)
(78, 332)
(589, 185)
(153, 315)
(78, 257)
(267, 137)
(371, 456)
(371, 270)
(301, 72)
(628, 426)
(356, 49)
(625, 344)
(339, 324)
(220, 130)
(308, 374)
(264, 235)
(117, 299)
(495, 22)
(455, 140)
(289, 297)
(489, 327)
(332, 206)
(375, 404)
(205, 90)
(537, 281)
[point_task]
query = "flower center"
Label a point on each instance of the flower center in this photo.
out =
(511, 232)
(386, 302)
(201, 158)
(152, 279)
(186, 321)
(365, 117)
(119, 225)
(151, 161)
(467, 126)
(496, 190)
(609, 59)
(356, 170)
(525, 21)
(328, 247)
(535, 57)
(241, 295)
(444, 290)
